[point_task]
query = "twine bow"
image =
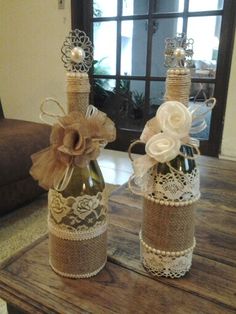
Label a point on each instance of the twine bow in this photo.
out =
(164, 134)
(75, 140)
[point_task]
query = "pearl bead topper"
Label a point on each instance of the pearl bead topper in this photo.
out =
(77, 52)
(179, 51)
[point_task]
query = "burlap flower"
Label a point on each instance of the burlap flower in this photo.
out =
(72, 137)
(75, 140)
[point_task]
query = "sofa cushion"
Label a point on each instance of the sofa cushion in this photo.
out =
(18, 193)
(18, 141)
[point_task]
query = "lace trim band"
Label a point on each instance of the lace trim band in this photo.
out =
(173, 187)
(76, 235)
(77, 276)
(78, 214)
(167, 264)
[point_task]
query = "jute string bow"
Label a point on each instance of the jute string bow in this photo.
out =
(75, 140)
(164, 134)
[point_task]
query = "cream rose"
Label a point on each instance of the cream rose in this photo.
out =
(163, 147)
(174, 119)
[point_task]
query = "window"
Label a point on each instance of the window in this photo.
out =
(129, 72)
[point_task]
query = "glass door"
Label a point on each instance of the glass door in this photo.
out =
(129, 73)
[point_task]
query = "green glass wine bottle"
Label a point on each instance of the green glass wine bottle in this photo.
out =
(86, 180)
(167, 235)
(182, 164)
(78, 211)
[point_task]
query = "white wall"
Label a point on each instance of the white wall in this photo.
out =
(31, 35)
(228, 147)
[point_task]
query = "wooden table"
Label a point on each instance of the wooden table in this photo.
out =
(123, 286)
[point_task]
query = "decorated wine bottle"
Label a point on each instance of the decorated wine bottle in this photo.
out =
(77, 207)
(170, 182)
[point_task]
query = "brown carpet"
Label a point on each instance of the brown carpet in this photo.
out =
(25, 225)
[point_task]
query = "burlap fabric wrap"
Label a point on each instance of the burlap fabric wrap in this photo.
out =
(168, 228)
(167, 233)
(78, 89)
(77, 224)
(77, 234)
(178, 83)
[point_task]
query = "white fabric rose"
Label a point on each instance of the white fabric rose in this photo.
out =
(174, 119)
(162, 147)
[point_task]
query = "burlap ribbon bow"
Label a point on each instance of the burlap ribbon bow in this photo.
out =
(75, 140)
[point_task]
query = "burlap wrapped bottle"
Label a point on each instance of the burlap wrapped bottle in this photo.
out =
(168, 178)
(77, 218)
(167, 235)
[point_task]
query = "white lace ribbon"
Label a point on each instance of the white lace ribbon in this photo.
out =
(77, 218)
(166, 264)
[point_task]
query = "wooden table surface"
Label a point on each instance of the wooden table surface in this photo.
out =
(123, 286)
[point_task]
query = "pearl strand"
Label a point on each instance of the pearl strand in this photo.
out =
(178, 71)
(166, 253)
(173, 203)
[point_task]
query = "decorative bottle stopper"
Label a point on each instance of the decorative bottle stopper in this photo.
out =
(178, 57)
(77, 56)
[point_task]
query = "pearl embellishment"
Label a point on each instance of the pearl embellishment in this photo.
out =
(173, 203)
(179, 53)
(164, 253)
(77, 55)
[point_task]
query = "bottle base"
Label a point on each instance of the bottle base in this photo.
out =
(77, 258)
(77, 276)
(166, 264)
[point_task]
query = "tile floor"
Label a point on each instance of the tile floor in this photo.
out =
(115, 165)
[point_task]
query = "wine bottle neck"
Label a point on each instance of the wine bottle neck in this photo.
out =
(78, 89)
(178, 83)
